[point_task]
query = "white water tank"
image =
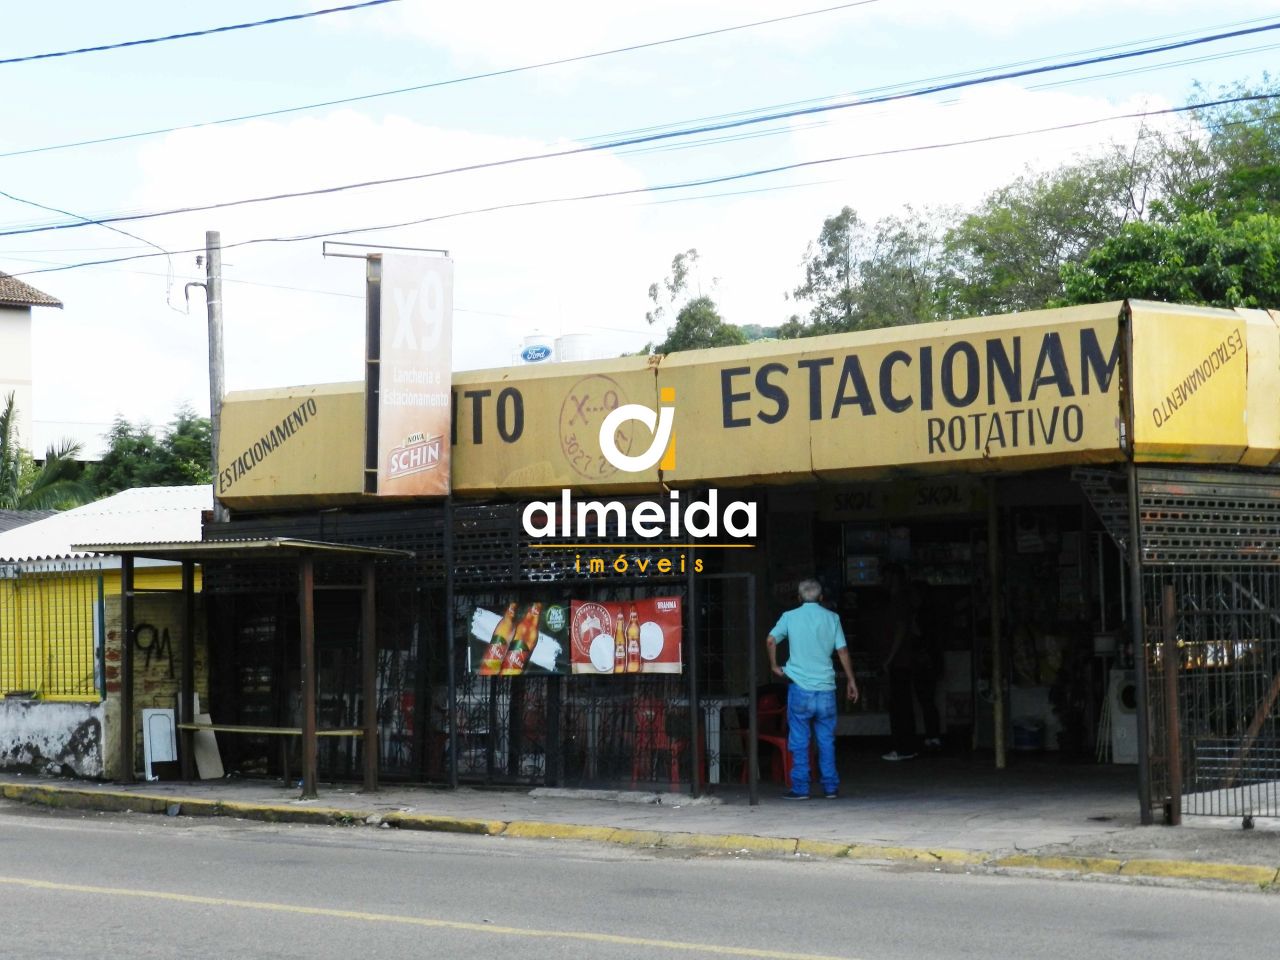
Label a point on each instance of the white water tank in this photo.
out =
(574, 346)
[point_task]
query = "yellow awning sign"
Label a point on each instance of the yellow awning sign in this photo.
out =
(1014, 392)
(298, 444)
(1204, 384)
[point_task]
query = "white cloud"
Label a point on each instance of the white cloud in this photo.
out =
(581, 267)
(508, 32)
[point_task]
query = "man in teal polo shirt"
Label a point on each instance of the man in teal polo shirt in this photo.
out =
(814, 633)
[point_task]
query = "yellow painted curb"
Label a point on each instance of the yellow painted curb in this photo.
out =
(1190, 870)
(822, 848)
(730, 842)
(539, 830)
(72, 799)
(1067, 864)
(637, 838)
(284, 813)
(438, 824)
(869, 851)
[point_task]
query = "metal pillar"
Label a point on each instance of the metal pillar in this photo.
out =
(307, 628)
(186, 700)
(450, 644)
(1137, 633)
(753, 721)
(997, 649)
(369, 676)
(1169, 657)
(127, 751)
(695, 774)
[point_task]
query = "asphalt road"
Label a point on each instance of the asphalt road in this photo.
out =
(140, 887)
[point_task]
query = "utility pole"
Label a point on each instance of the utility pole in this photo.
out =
(213, 302)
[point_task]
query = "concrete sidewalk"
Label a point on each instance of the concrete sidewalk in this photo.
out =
(950, 815)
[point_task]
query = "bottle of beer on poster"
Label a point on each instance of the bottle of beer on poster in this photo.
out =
(633, 643)
(619, 646)
(526, 639)
(491, 662)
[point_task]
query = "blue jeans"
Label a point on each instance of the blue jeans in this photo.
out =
(819, 708)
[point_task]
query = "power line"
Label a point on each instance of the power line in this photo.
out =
(508, 71)
(703, 182)
(124, 233)
(657, 137)
(195, 33)
(941, 78)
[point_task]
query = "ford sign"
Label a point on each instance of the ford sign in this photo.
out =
(535, 353)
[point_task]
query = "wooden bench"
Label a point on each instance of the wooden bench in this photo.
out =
(281, 732)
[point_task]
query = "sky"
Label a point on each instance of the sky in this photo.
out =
(128, 344)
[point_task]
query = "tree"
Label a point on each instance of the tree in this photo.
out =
(1007, 255)
(136, 457)
(1230, 161)
(55, 484)
(698, 323)
(1194, 260)
(831, 274)
(861, 278)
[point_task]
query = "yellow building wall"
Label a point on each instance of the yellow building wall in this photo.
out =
(49, 628)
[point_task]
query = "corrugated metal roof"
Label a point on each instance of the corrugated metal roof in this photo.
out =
(254, 548)
(15, 293)
(9, 519)
(143, 515)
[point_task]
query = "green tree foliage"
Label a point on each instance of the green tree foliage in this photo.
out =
(859, 277)
(137, 457)
(698, 323)
(1196, 259)
(1008, 253)
(55, 484)
(1233, 167)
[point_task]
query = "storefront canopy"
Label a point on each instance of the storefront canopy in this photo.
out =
(1099, 383)
(304, 553)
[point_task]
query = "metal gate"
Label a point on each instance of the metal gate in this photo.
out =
(1210, 573)
(660, 732)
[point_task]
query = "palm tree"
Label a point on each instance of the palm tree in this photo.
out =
(55, 485)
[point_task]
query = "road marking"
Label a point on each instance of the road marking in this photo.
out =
(687, 946)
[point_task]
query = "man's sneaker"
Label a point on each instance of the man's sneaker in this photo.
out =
(831, 795)
(894, 755)
(792, 795)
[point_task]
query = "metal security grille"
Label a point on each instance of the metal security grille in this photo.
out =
(254, 616)
(574, 730)
(1226, 661)
(1212, 538)
(578, 730)
(50, 630)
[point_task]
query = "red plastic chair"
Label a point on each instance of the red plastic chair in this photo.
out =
(652, 741)
(771, 731)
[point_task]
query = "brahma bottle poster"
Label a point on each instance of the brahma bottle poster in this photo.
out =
(625, 637)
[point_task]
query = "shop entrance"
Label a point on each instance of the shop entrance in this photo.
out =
(934, 685)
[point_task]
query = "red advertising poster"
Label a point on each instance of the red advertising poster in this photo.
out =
(629, 636)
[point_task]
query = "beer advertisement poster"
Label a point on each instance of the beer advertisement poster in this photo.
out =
(519, 638)
(414, 357)
(629, 636)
